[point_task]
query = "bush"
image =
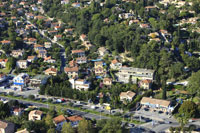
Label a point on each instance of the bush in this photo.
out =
(11, 93)
(31, 97)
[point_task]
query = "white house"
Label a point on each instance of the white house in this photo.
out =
(3, 77)
(103, 51)
(115, 64)
(3, 62)
(21, 80)
(129, 95)
(22, 64)
(80, 84)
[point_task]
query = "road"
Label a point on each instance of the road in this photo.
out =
(74, 112)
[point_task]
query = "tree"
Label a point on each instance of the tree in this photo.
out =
(85, 126)
(49, 121)
(51, 130)
(67, 128)
(112, 126)
(188, 109)
(194, 84)
(4, 110)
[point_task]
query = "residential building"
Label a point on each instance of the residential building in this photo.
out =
(127, 74)
(49, 60)
(18, 111)
(57, 37)
(38, 80)
(115, 65)
(31, 58)
(81, 60)
(98, 68)
(103, 51)
(42, 53)
(3, 62)
(83, 37)
(47, 45)
(38, 47)
(21, 80)
(35, 115)
(79, 84)
(32, 41)
(6, 127)
(17, 53)
(64, 1)
(87, 44)
(74, 120)
(79, 53)
(76, 5)
(127, 96)
(59, 121)
(5, 42)
(23, 131)
(51, 71)
(23, 64)
(3, 77)
(73, 63)
(72, 72)
(157, 104)
(145, 84)
(107, 81)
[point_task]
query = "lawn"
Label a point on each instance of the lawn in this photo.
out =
(4, 70)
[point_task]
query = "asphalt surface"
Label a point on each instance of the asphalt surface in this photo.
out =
(74, 112)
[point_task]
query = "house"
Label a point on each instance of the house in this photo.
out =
(73, 63)
(127, 74)
(6, 127)
(31, 58)
(59, 121)
(54, 32)
(157, 104)
(57, 27)
(149, 8)
(81, 60)
(79, 84)
(79, 53)
(51, 71)
(38, 47)
(23, 131)
(76, 5)
(74, 120)
(64, 1)
(3, 62)
(18, 111)
(57, 37)
(145, 84)
(72, 72)
(134, 21)
(35, 115)
(3, 77)
(42, 54)
(49, 60)
(69, 31)
(98, 68)
(87, 44)
(17, 53)
(83, 37)
(129, 95)
(6, 42)
(47, 45)
(32, 41)
(103, 51)
(23, 64)
(29, 15)
(115, 64)
(107, 81)
(144, 26)
(21, 80)
(38, 80)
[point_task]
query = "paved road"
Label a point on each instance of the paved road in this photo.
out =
(75, 112)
